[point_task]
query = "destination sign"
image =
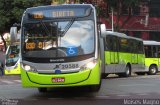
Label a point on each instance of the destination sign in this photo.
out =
(59, 13)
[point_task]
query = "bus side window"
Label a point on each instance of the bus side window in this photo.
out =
(158, 52)
(140, 47)
(113, 43)
(148, 51)
(124, 46)
(107, 43)
(154, 53)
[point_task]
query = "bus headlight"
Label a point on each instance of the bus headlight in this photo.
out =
(90, 65)
(28, 68)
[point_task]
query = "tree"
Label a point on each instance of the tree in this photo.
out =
(118, 7)
(11, 12)
(105, 7)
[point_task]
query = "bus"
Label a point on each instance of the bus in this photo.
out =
(60, 47)
(12, 60)
(66, 46)
(152, 59)
(123, 54)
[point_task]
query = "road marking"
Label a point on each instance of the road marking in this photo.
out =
(10, 81)
(102, 97)
(137, 85)
(143, 94)
(7, 82)
(19, 81)
(123, 95)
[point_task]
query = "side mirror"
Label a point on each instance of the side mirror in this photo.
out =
(103, 29)
(13, 34)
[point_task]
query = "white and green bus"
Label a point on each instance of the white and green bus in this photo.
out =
(60, 47)
(123, 54)
(12, 60)
(152, 59)
(64, 46)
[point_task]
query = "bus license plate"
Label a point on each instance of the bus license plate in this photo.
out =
(58, 79)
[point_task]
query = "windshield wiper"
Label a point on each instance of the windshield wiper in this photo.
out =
(67, 27)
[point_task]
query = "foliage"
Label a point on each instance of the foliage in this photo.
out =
(118, 6)
(11, 12)
(104, 8)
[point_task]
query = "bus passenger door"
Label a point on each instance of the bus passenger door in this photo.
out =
(134, 54)
(114, 50)
(134, 58)
(111, 54)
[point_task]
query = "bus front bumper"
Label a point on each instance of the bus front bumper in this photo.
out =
(12, 71)
(82, 78)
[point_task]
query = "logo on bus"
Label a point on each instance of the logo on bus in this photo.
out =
(72, 51)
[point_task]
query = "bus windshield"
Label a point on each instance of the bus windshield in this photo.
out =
(12, 55)
(51, 39)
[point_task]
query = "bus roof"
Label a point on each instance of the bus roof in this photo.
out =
(122, 35)
(136, 38)
(66, 11)
(116, 34)
(61, 6)
(150, 42)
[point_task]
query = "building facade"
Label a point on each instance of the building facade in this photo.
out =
(146, 24)
(145, 20)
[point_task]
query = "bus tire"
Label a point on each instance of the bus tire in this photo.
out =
(95, 88)
(152, 70)
(42, 90)
(127, 72)
(104, 75)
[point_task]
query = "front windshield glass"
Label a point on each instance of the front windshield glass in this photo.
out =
(12, 55)
(52, 39)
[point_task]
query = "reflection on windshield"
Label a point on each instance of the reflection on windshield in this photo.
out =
(59, 39)
(12, 55)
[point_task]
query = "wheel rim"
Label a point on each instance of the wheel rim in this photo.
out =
(127, 70)
(153, 70)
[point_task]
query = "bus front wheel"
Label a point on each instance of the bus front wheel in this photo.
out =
(95, 88)
(152, 70)
(42, 90)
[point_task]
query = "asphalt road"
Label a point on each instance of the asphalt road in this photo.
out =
(114, 91)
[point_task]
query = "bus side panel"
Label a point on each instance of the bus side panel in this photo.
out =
(134, 58)
(150, 61)
(107, 57)
(109, 65)
(141, 61)
(124, 58)
(116, 61)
